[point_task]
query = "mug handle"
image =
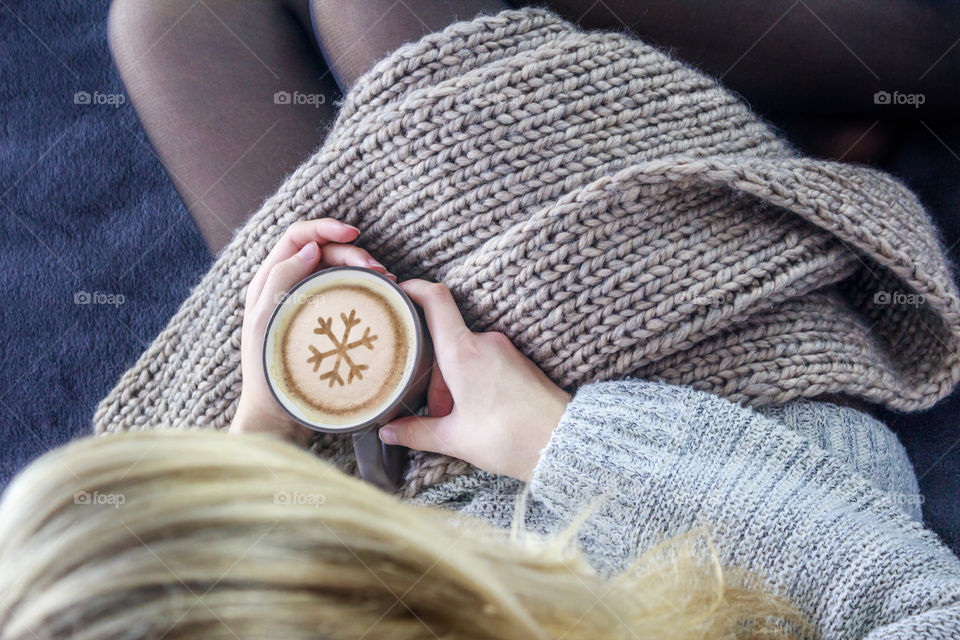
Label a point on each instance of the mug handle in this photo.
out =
(383, 464)
(379, 463)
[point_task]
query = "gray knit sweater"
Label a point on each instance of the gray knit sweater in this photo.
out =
(819, 501)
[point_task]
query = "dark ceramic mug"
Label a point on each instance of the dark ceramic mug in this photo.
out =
(379, 463)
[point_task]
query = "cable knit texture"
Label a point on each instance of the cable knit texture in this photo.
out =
(611, 210)
(818, 501)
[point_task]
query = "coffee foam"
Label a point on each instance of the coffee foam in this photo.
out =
(342, 354)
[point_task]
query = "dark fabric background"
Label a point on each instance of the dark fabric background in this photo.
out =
(85, 208)
(86, 211)
(927, 157)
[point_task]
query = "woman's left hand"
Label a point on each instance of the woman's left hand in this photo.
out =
(489, 404)
(304, 247)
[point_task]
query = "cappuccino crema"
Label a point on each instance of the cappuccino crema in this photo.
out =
(340, 349)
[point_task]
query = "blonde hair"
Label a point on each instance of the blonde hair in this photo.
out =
(204, 534)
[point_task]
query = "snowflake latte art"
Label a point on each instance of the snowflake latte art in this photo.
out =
(342, 351)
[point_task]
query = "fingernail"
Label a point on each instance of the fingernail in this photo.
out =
(308, 252)
(376, 266)
(324, 222)
(390, 275)
(387, 435)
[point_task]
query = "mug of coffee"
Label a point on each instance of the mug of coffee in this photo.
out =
(346, 351)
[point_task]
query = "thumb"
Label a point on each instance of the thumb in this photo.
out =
(422, 434)
(285, 274)
(280, 280)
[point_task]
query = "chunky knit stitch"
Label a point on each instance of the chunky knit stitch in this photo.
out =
(611, 210)
(819, 502)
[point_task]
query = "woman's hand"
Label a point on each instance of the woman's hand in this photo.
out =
(488, 403)
(304, 247)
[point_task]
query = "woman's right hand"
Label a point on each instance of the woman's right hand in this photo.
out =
(304, 247)
(488, 403)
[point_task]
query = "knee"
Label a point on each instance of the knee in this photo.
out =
(135, 26)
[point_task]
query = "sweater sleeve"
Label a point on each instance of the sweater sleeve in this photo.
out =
(858, 441)
(665, 459)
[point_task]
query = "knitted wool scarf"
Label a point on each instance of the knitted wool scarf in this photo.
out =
(611, 210)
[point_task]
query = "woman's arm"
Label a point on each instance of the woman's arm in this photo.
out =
(665, 460)
(859, 441)
(819, 525)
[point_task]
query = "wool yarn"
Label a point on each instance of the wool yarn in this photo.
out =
(614, 212)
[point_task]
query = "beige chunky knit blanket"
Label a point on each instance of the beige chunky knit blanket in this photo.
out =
(610, 209)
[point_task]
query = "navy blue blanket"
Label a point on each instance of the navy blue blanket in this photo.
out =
(98, 251)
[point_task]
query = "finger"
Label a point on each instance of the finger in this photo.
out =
(443, 317)
(422, 434)
(282, 277)
(295, 238)
(439, 398)
(335, 254)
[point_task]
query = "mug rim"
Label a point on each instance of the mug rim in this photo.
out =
(418, 330)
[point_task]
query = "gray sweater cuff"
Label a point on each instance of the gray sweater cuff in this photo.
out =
(609, 443)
